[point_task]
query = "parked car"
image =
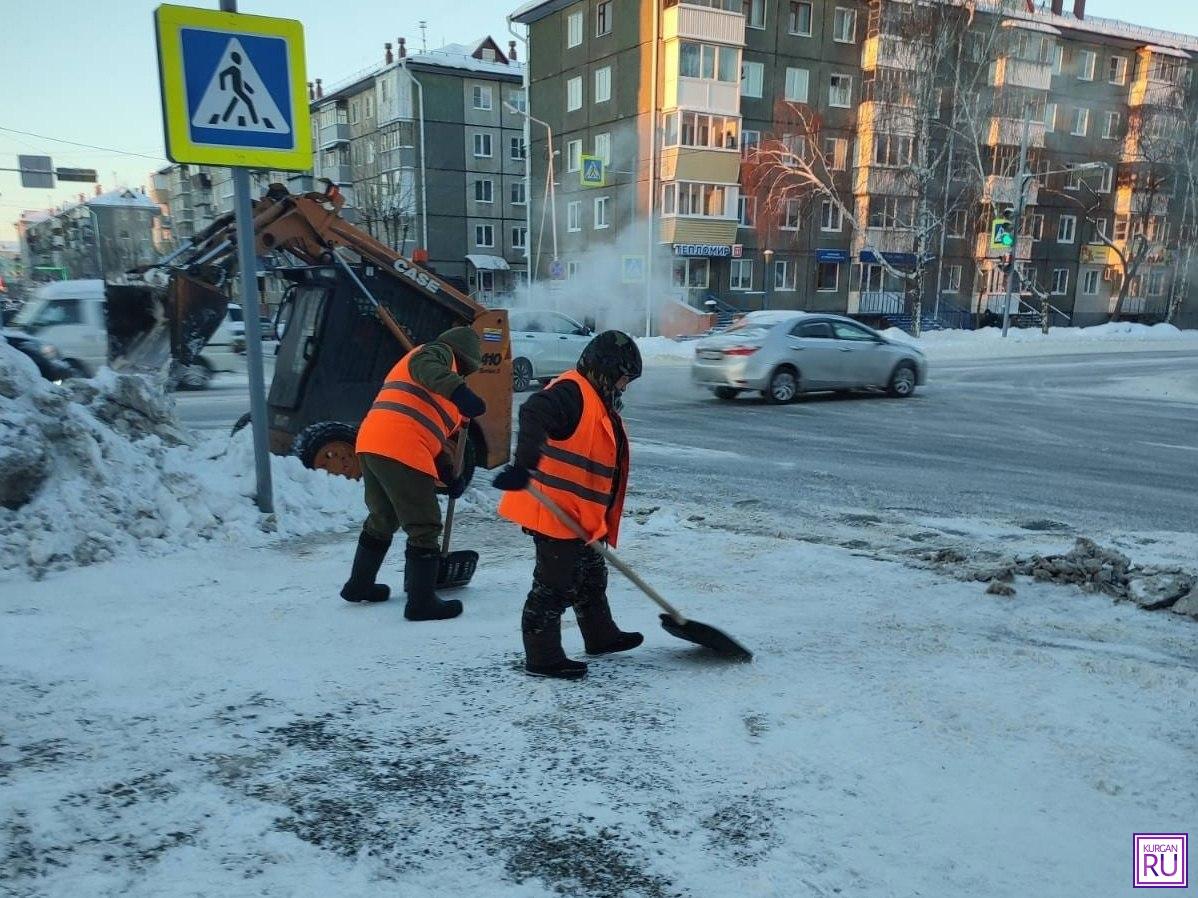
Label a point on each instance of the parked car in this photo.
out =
(70, 315)
(544, 344)
(47, 357)
(782, 354)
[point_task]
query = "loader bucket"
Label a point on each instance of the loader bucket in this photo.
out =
(195, 310)
(148, 325)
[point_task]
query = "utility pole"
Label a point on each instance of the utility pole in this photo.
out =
(1020, 187)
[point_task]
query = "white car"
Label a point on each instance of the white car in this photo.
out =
(544, 345)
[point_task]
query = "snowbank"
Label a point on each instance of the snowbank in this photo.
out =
(99, 469)
(664, 351)
(989, 341)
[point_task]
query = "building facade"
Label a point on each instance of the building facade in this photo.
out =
(100, 237)
(901, 126)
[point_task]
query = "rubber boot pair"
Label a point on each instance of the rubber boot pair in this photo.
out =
(543, 653)
(361, 586)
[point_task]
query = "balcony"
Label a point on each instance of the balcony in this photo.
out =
(338, 174)
(703, 23)
(1136, 202)
(1008, 132)
(880, 92)
(1001, 191)
(702, 95)
(1009, 72)
(877, 181)
(1147, 92)
(681, 229)
(884, 240)
(708, 166)
(334, 135)
(890, 52)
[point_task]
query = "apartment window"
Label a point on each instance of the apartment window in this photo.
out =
(516, 149)
(1110, 131)
(1117, 70)
(827, 277)
(688, 198)
(1100, 226)
(785, 275)
(692, 273)
(1122, 228)
(844, 26)
(1081, 122)
(574, 216)
(800, 18)
(519, 238)
(482, 97)
(746, 211)
(574, 94)
(1060, 281)
(892, 150)
(755, 13)
(741, 274)
(699, 129)
(958, 221)
(518, 196)
(601, 206)
(749, 141)
(1073, 178)
(796, 85)
(484, 235)
(518, 101)
(950, 279)
(603, 84)
(752, 75)
(1050, 117)
(795, 146)
(1090, 282)
(790, 216)
(353, 112)
(836, 153)
(574, 29)
(603, 148)
(831, 217)
(573, 155)
(1087, 61)
(1108, 179)
(573, 270)
(1156, 283)
(603, 18)
(484, 191)
(369, 106)
(891, 212)
(840, 91)
(1058, 60)
(1067, 229)
(482, 146)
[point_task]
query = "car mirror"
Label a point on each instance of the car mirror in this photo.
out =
(583, 332)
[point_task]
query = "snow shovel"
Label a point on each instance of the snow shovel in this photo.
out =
(456, 567)
(672, 621)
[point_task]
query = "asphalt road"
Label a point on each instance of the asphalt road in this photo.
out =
(1104, 440)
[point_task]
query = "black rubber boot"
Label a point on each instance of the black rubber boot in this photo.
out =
(420, 580)
(367, 561)
(543, 655)
(599, 632)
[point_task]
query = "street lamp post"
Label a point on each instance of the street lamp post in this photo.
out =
(769, 282)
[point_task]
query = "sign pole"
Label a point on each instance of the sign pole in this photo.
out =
(247, 263)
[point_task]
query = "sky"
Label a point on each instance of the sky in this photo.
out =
(86, 71)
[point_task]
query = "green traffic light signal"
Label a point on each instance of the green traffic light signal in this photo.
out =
(1000, 233)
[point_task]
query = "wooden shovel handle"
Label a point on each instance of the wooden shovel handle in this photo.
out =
(607, 554)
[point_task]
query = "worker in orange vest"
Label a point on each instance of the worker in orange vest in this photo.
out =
(403, 447)
(573, 447)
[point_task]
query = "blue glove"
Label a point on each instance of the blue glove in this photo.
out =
(469, 403)
(512, 478)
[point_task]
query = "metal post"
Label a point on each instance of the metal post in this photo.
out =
(1020, 187)
(651, 173)
(247, 262)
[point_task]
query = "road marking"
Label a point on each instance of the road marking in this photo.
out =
(1169, 446)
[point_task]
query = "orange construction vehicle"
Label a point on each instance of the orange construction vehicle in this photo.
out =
(352, 308)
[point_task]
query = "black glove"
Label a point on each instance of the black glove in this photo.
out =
(455, 486)
(469, 403)
(512, 478)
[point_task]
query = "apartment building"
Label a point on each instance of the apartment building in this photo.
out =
(428, 149)
(101, 236)
(680, 96)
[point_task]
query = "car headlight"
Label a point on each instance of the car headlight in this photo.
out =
(46, 351)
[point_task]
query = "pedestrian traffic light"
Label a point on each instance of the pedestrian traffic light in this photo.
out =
(1001, 235)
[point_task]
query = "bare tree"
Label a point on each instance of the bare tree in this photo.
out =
(1186, 182)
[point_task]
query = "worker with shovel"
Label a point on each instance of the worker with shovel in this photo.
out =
(573, 447)
(404, 448)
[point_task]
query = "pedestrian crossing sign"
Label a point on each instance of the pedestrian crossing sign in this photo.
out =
(233, 89)
(592, 171)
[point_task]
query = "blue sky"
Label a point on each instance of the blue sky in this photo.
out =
(85, 70)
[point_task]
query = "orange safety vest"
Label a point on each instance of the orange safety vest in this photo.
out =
(407, 422)
(579, 474)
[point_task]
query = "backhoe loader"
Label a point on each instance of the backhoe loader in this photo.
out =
(352, 308)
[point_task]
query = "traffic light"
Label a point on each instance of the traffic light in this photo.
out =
(1001, 235)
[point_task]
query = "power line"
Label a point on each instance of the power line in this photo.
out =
(76, 143)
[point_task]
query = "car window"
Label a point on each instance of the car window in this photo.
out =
(819, 330)
(60, 311)
(846, 331)
(560, 324)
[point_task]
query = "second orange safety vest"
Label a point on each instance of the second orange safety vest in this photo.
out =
(583, 474)
(409, 423)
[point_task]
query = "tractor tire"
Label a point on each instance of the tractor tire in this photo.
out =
(329, 446)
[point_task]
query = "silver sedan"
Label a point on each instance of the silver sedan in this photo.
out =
(782, 354)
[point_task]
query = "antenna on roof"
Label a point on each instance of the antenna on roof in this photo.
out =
(423, 35)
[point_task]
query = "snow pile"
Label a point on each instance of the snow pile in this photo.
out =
(663, 350)
(989, 341)
(100, 469)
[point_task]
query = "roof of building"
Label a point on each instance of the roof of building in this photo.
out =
(538, 9)
(122, 197)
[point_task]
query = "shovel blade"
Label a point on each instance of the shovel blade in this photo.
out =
(708, 637)
(457, 568)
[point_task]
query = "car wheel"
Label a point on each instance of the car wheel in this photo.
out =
(784, 386)
(329, 446)
(522, 375)
(902, 382)
(726, 392)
